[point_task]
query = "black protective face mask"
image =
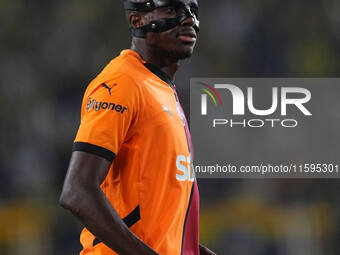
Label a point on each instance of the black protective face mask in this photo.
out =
(183, 12)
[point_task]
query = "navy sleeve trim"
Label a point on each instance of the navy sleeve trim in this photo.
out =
(94, 149)
(133, 217)
(129, 220)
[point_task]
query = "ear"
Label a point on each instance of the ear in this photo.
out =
(136, 19)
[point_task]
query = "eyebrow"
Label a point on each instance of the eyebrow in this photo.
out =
(193, 4)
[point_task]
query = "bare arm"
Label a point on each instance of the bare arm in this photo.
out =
(83, 196)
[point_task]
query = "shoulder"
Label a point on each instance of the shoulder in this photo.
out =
(124, 71)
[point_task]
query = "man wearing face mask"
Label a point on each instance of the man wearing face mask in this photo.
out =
(130, 181)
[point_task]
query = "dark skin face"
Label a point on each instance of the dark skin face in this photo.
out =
(165, 49)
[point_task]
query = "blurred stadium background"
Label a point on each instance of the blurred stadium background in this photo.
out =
(50, 51)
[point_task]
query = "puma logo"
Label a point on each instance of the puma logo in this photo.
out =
(109, 88)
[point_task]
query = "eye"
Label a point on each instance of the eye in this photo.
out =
(194, 10)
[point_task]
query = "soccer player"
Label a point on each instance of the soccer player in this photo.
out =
(130, 180)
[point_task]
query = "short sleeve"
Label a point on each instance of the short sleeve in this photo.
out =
(109, 114)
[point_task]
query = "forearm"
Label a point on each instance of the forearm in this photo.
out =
(92, 208)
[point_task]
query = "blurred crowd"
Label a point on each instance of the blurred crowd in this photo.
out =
(50, 51)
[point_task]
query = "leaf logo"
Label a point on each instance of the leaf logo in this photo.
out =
(210, 89)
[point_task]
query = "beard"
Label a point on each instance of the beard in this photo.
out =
(177, 53)
(169, 47)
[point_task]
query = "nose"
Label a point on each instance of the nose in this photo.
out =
(189, 21)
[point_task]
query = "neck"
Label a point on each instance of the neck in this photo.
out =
(156, 57)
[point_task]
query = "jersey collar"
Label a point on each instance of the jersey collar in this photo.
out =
(158, 72)
(134, 54)
(152, 68)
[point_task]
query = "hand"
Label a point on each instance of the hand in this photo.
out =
(205, 251)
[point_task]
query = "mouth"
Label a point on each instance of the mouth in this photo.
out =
(188, 36)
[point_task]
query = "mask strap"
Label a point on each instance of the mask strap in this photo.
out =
(161, 25)
(156, 26)
(143, 7)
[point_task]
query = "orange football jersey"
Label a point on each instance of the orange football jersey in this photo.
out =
(132, 117)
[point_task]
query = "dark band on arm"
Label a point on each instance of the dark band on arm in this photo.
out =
(129, 220)
(94, 149)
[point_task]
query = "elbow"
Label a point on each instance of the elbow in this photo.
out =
(65, 201)
(69, 197)
(75, 197)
